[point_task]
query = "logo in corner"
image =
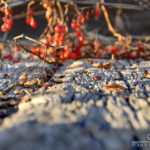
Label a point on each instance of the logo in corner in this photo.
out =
(148, 137)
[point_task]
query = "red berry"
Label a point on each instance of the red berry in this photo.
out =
(81, 38)
(4, 19)
(33, 23)
(9, 12)
(140, 47)
(62, 38)
(97, 13)
(3, 28)
(98, 56)
(47, 85)
(3, 9)
(6, 11)
(51, 39)
(56, 42)
(132, 56)
(81, 18)
(16, 49)
(114, 50)
(77, 25)
(43, 55)
(16, 61)
(8, 27)
(55, 68)
(9, 57)
(36, 50)
(62, 57)
(66, 53)
(9, 21)
(75, 55)
(63, 29)
(47, 79)
(57, 29)
(73, 25)
(28, 20)
(77, 33)
(31, 12)
(96, 77)
(48, 72)
(87, 16)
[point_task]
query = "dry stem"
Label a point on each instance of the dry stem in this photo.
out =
(29, 5)
(110, 27)
(33, 40)
(60, 11)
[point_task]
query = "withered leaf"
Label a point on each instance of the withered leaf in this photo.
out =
(6, 75)
(31, 82)
(146, 74)
(106, 65)
(100, 65)
(23, 78)
(40, 82)
(114, 87)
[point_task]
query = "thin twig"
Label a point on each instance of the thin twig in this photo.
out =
(108, 4)
(36, 41)
(46, 29)
(10, 88)
(110, 27)
(26, 50)
(29, 5)
(89, 3)
(60, 11)
(6, 5)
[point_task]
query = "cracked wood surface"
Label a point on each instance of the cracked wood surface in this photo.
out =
(79, 109)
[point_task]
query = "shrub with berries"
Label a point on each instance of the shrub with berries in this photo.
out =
(7, 19)
(66, 35)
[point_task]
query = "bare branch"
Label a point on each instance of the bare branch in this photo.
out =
(107, 4)
(89, 3)
(110, 27)
(26, 50)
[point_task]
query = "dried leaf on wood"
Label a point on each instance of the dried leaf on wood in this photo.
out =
(106, 65)
(40, 82)
(146, 74)
(114, 87)
(23, 78)
(30, 83)
(100, 65)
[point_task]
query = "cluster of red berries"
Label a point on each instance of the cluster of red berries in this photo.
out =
(57, 39)
(136, 54)
(38, 51)
(59, 35)
(8, 22)
(30, 19)
(97, 11)
(113, 50)
(67, 52)
(76, 25)
(10, 56)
